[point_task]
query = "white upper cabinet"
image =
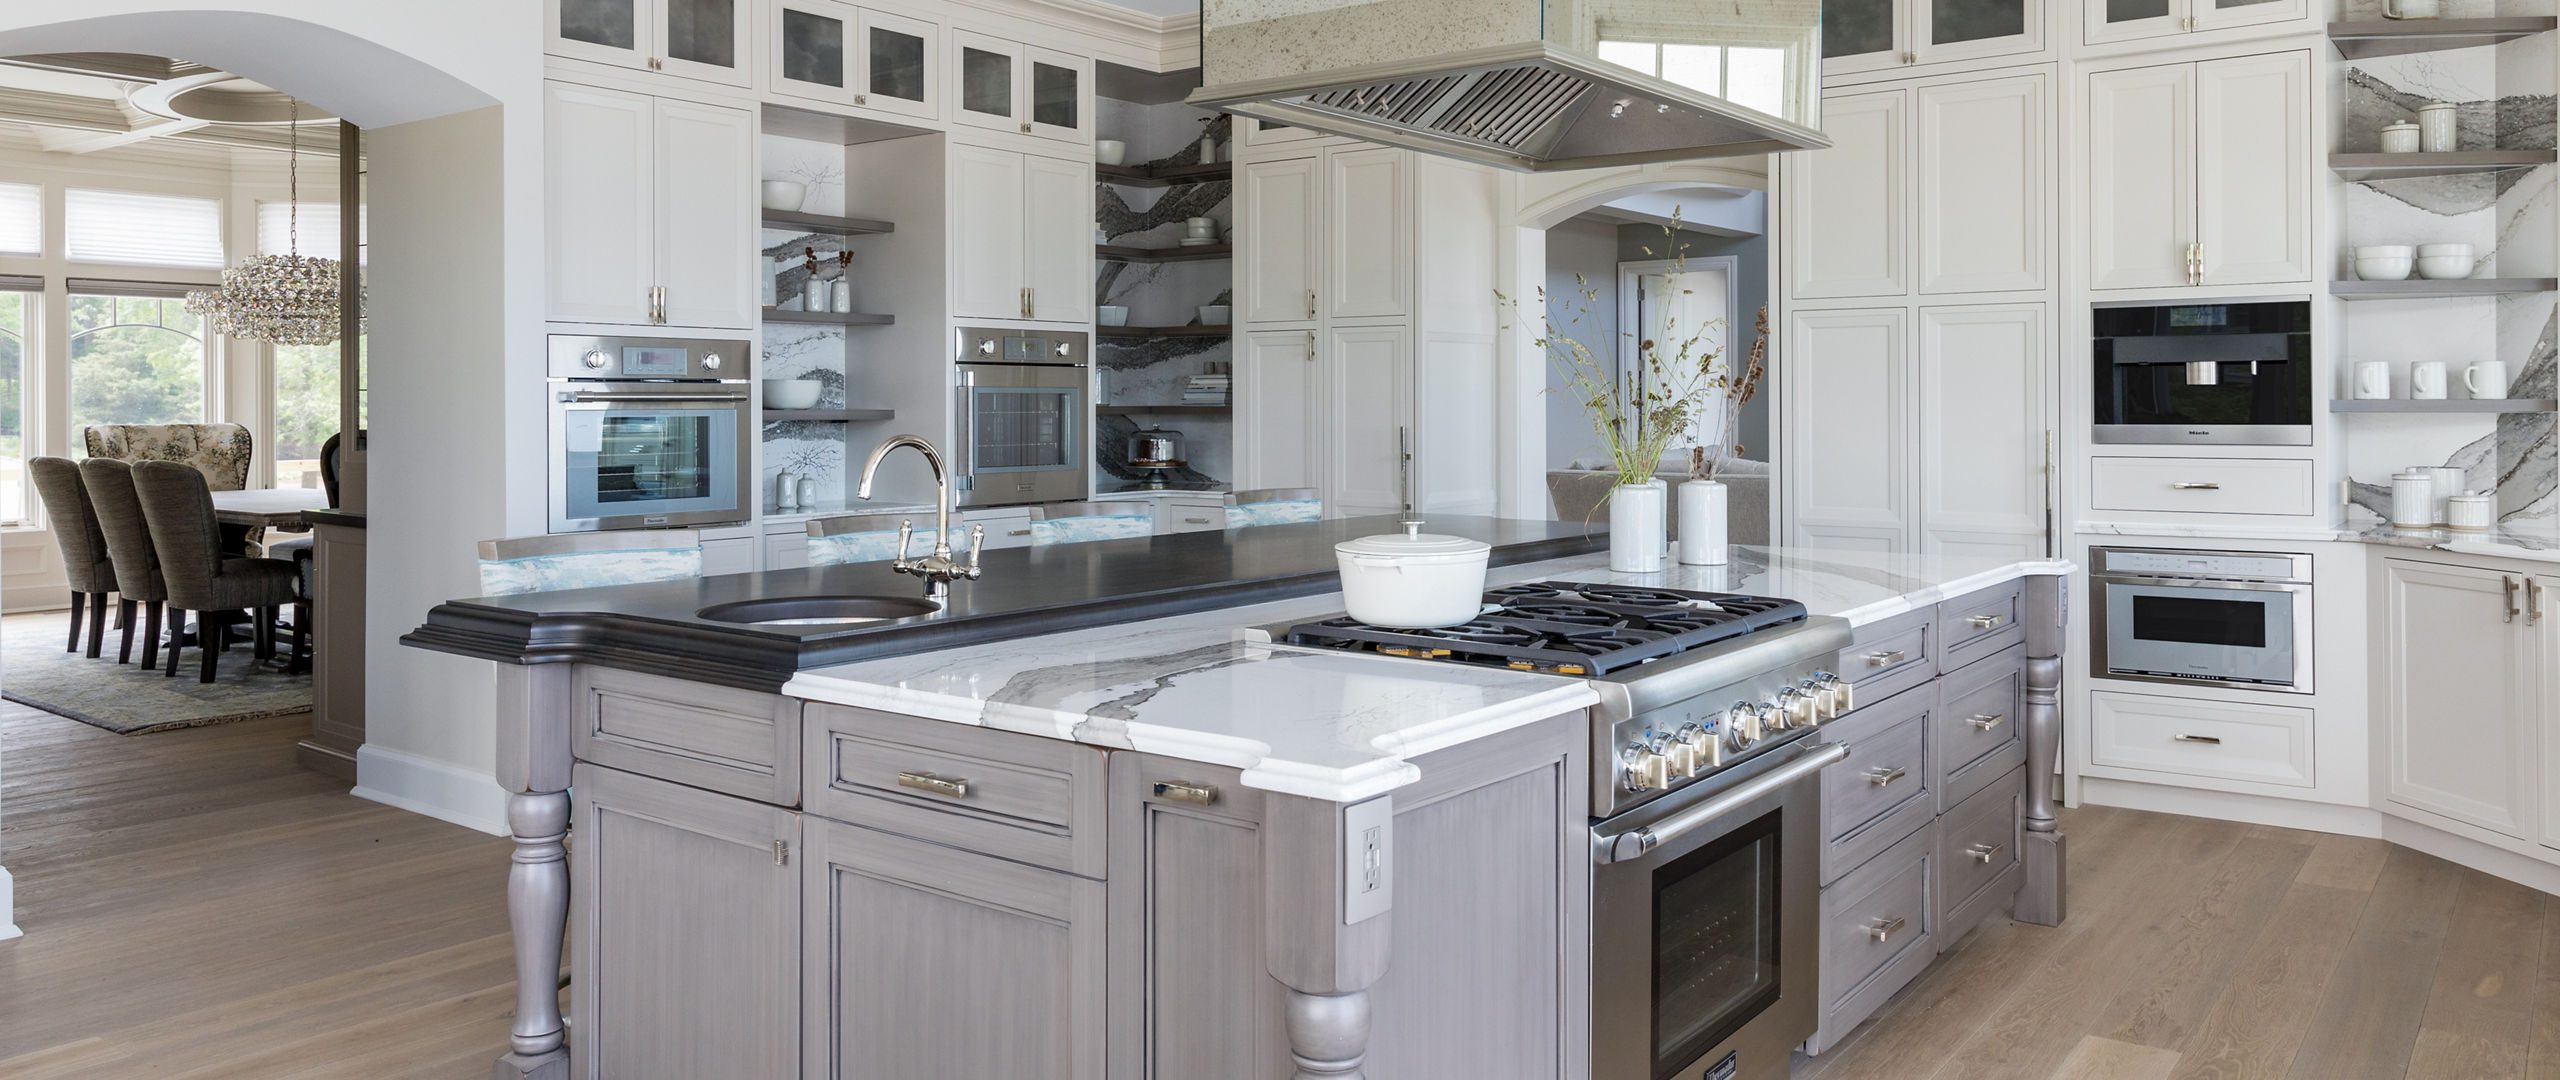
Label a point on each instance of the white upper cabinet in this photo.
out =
(2199, 174)
(832, 51)
(1008, 86)
(2459, 698)
(1278, 410)
(1983, 430)
(1277, 269)
(2128, 20)
(1058, 243)
(1845, 207)
(1851, 474)
(1873, 35)
(1023, 246)
(1370, 248)
(650, 210)
(698, 39)
(1984, 184)
(1366, 374)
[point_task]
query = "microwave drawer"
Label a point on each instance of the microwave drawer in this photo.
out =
(2208, 740)
(2174, 485)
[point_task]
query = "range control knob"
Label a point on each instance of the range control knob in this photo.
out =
(1741, 725)
(1774, 718)
(1802, 707)
(1644, 767)
(1692, 751)
(711, 361)
(596, 360)
(1838, 689)
(987, 347)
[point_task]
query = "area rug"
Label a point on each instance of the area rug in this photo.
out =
(125, 699)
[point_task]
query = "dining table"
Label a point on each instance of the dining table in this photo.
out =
(274, 508)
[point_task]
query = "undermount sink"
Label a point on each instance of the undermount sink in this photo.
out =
(819, 610)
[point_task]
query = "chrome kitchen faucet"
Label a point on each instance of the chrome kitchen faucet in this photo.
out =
(939, 568)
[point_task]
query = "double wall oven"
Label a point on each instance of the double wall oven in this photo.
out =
(648, 433)
(1020, 418)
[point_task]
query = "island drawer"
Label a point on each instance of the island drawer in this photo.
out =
(1880, 792)
(2211, 740)
(1978, 866)
(1889, 656)
(1014, 796)
(1980, 624)
(738, 742)
(1980, 714)
(1878, 934)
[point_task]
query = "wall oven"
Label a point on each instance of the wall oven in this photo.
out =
(2227, 371)
(1704, 910)
(1020, 429)
(648, 433)
(2217, 618)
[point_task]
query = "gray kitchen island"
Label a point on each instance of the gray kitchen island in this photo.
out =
(1092, 820)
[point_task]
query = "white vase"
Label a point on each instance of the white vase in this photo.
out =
(1635, 527)
(1702, 536)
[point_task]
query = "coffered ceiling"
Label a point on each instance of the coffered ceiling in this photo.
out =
(79, 103)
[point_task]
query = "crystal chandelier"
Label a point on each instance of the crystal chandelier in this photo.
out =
(289, 299)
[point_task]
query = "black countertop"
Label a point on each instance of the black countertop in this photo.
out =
(351, 519)
(1025, 592)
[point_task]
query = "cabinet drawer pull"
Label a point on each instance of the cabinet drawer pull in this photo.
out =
(1887, 658)
(1195, 521)
(933, 785)
(2208, 740)
(2195, 485)
(1186, 791)
(2532, 601)
(1882, 775)
(1987, 721)
(1880, 929)
(2512, 610)
(1983, 622)
(1983, 853)
(1017, 532)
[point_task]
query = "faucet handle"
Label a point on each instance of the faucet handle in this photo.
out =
(977, 542)
(906, 531)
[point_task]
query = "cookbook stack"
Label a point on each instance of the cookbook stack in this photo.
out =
(1206, 390)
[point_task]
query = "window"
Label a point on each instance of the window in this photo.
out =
(318, 226)
(306, 409)
(14, 309)
(137, 357)
(1753, 77)
(135, 229)
(21, 219)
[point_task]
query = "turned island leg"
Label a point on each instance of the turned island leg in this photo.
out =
(2040, 899)
(1326, 950)
(1328, 1034)
(533, 765)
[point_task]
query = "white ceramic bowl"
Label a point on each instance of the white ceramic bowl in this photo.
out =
(1111, 315)
(785, 195)
(1412, 580)
(2383, 268)
(1110, 151)
(1213, 314)
(792, 393)
(2444, 262)
(2378, 251)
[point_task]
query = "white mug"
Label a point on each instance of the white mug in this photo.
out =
(2373, 380)
(2486, 379)
(2426, 380)
(2409, 9)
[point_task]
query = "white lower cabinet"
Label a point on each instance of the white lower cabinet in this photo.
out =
(2466, 655)
(2194, 742)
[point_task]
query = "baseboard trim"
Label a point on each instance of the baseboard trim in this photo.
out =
(2390, 827)
(439, 790)
(326, 760)
(8, 907)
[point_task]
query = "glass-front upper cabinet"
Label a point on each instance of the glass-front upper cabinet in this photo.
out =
(857, 56)
(698, 39)
(1873, 35)
(1009, 86)
(2133, 20)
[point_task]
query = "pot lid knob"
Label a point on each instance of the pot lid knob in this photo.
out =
(1412, 527)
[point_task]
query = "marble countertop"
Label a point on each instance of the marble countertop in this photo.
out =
(2537, 540)
(1209, 686)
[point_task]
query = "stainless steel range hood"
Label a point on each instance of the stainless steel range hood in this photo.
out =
(1532, 85)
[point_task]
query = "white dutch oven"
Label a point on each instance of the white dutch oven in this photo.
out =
(1417, 579)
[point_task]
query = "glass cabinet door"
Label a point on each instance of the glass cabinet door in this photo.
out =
(1863, 35)
(899, 59)
(612, 31)
(2216, 14)
(812, 43)
(1964, 29)
(705, 39)
(1058, 106)
(988, 78)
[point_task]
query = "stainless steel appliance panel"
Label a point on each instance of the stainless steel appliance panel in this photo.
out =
(1021, 429)
(2218, 618)
(2230, 372)
(639, 439)
(582, 356)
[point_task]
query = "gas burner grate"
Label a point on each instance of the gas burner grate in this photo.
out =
(1567, 628)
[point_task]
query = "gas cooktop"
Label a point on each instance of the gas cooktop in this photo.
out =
(1566, 627)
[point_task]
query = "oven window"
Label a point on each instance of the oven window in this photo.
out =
(652, 457)
(1023, 428)
(2200, 621)
(1715, 942)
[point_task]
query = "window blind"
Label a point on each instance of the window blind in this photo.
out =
(21, 219)
(319, 228)
(21, 283)
(135, 229)
(158, 290)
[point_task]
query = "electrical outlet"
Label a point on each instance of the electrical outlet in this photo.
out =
(1368, 851)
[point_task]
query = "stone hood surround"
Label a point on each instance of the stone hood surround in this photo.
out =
(1210, 686)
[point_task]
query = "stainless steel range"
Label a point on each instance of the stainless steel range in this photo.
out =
(1705, 804)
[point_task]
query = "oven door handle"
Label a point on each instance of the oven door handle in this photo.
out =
(964, 434)
(1634, 843)
(582, 397)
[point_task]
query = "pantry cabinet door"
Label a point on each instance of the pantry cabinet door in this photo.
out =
(600, 203)
(2458, 698)
(707, 219)
(988, 240)
(1367, 381)
(2142, 176)
(1370, 249)
(2253, 168)
(1846, 204)
(1277, 258)
(1985, 202)
(1848, 435)
(1059, 251)
(1278, 423)
(1983, 427)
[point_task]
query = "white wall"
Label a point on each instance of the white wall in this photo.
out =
(1588, 249)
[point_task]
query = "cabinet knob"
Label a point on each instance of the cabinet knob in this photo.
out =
(1026, 127)
(862, 99)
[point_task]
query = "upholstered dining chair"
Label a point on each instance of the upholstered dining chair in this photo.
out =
(220, 451)
(1080, 522)
(111, 493)
(587, 560)
(1273, 506)
(853, 538)
(85, 559)
(178, 506)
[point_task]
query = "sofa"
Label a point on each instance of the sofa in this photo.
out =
(1575, 494)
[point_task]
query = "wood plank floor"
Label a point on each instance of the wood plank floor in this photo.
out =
(2204, 950)
(196, 905)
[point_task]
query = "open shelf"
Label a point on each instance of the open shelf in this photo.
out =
(1165, 175)
(1118, 253)
(795, 221)
(831, 416)
(2444, 163)
(2415, 289)
(852, 318)
(2364, 39)
(1162, 331)
(1127, 410)
(2442, 405)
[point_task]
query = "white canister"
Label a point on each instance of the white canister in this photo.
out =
(786, 494)
(2400, 138)
(2446, 482)
(1702, 521)
(1412, 580)
(842, 301)
(2473, 511)
(813, 294)
(2413, 499)
(807, 489)
(1636, 534)
(2436, 126)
